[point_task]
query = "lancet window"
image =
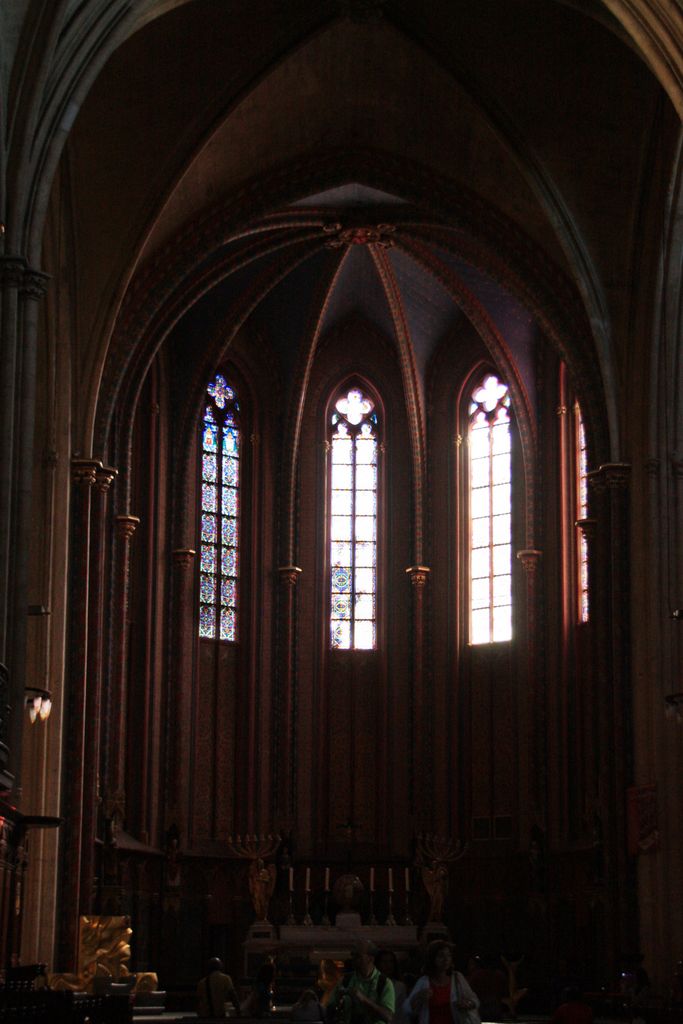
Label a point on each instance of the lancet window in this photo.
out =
(220, 506)
(353, 438)
(581, 493)
(490, 512)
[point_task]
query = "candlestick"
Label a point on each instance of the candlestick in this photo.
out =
(308, 920)
(372, 879)
(391, 920)
(326, 916)
(391, 879)
(291, 919)
(327, 879)
(407, 879)
(291, 879)
(308, 880)
(373, 919)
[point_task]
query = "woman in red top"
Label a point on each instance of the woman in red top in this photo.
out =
(442, 995)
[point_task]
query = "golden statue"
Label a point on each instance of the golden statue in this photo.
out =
(103, 954)
(261, 886)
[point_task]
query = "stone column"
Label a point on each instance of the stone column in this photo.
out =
(20, 289)
(115, 797)
(84, 475)
(181, 690)
(422, 767)
(529, 559)
(11, 278)
(104, 477)
(115, 792)
(284, 767)
(612, 593)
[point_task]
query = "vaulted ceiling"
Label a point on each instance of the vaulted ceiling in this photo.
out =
(533, 121)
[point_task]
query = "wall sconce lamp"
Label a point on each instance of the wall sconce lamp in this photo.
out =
(673, 706)
(38, 702)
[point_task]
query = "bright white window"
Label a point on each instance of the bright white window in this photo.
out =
(353, 432)
(490, 512)
(581, 490)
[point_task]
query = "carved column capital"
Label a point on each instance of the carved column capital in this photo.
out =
(34, 283)
(418, 574)
(289, 574)
(529, 557)
(183, 557)
(126, 525)
(84, 471)
(12, 271)
(104, 477)
(587, 527)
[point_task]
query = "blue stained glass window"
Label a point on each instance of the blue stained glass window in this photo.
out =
(209, 532)
(209, 468)
(229, 501)
(229, 562)
(230, 472)
(227, 623)
(220, 455)
(207, 589)
(207, 621)
(230, 532)
(208, 561)
(352, 523)
(208, 497)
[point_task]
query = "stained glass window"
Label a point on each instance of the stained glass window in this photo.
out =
(219, 527)
(581, 490)
(490, 512)
(353, 438)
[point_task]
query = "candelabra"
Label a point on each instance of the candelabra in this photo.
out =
(390, 917)
(291, 918)
(308, 920)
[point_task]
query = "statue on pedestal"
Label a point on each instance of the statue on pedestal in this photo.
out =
(261, 886)
(434, 854)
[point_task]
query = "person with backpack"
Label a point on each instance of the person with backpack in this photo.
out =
(367, 996)
(215, 990)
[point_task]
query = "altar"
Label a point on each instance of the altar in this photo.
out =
(309, 944)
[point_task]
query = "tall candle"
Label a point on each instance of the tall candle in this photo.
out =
(291, 879)
(372, 879)
(391, 879)
(308, 879)
(407, 879)
(327, 879)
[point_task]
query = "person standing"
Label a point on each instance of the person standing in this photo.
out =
(215, 990)
(367, 997)
(442, 995)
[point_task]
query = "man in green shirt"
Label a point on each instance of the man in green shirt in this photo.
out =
(367, 997)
